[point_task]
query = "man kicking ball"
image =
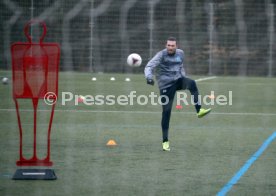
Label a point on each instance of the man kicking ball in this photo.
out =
(170, 75)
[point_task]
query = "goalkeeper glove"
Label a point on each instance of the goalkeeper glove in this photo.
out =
(150, 81)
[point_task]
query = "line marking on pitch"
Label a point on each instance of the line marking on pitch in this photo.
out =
(144, 112)
(227, 187)
(207, 78)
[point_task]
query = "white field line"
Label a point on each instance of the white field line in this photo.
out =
(143, 112)
(203, 79)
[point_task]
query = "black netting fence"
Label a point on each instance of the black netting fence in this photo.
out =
(230, 37)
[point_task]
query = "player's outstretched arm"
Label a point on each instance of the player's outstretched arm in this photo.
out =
(149, 69)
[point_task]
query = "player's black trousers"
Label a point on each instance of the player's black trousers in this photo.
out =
(181, 84)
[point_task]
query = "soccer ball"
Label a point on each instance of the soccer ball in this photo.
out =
(134, 60)
(5, 80)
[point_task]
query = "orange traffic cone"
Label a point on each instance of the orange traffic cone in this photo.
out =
(111, 143)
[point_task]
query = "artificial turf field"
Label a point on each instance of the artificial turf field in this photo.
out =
(205, 153)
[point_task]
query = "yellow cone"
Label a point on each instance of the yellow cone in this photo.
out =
(111, 143)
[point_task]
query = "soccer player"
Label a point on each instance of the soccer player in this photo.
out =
(171, 77)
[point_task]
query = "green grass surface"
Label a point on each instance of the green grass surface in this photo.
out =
(205, 153)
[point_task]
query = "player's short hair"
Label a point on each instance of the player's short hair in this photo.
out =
(171, 39)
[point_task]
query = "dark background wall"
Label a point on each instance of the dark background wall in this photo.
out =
(219, 37)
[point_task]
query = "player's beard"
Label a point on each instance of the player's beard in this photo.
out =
(171, 52)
